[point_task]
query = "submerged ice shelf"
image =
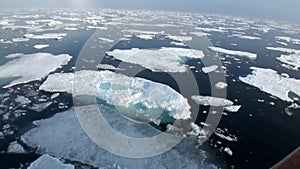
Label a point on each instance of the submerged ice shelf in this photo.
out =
(30, 67)
(160, 60)
(141, 95)
(269, 81)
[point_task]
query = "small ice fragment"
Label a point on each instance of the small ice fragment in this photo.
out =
(47, 161)
(228, 151)
(40, 107)
(55, 95)
(40, 46)
(234, 108)
(15, 147)
(209, 69)
(221, 85)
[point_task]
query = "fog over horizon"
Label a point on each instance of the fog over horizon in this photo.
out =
(286, 11)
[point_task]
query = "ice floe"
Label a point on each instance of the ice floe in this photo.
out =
(221, 85)
(234, 53)
(160, 60)
(31, 67)
(269, 81)
(15, 147)
(246, 37)
(180, 38)
(120, 90)
(22, 100)
(47, 161)
(106, 40)
(71, 139)
(108, 67)
(233, 108)
(286, 50)
(40, 46)
(211, 101)
(56, 36)
(209, 69)
(293, 60)
(20, 39)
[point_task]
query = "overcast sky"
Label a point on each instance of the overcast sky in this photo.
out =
(285, 10)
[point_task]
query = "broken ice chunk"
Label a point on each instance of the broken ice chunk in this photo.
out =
(22, 100)
(15, 147)
(47, 161)
(211, 101)
(209, 69)
(41, 106)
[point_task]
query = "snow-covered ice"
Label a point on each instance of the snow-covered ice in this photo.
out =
(269, 81)
(56, 36)
(286, 50)
(211, 101)
(120, 90)
(41, 46)
(221, 85)
(15, 147)
(31, 67)
(233, 108)
(160, 60)
(293, 60)
(47, 161)
(234, 53)
(180, 38)
(108, 67)
(209, 69)
(22, 100)
(246, 37)
(72, 143)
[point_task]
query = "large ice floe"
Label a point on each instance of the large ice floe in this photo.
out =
(269, 81)
(234, 53)
(286, 50)
(62, 136)
(160, 60)
(29, 67)
(142, 96)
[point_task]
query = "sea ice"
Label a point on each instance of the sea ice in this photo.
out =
(40, 46)
(286, 50)
(180, 38)
(161, 60)
(15, 147)
(47, 161)
(292, 60)
(269, 81)
(233, 108)
(234, 53)
(108, 67)
(246, 37)
(22, 100)
(221, 85)
(211, 101)
(72, 143)
(56, 36)
(209, 69)
(120, 90)
(31, 67)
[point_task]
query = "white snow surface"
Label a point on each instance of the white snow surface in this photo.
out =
(47, 161)
(56, 36)
(161, 60)
(234, 53)
(285, 50)
(269, 81)
(120, 90)
(31, 67)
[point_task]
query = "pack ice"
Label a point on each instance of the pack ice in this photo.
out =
(141, 95)
(166, 59)
(30, 67)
